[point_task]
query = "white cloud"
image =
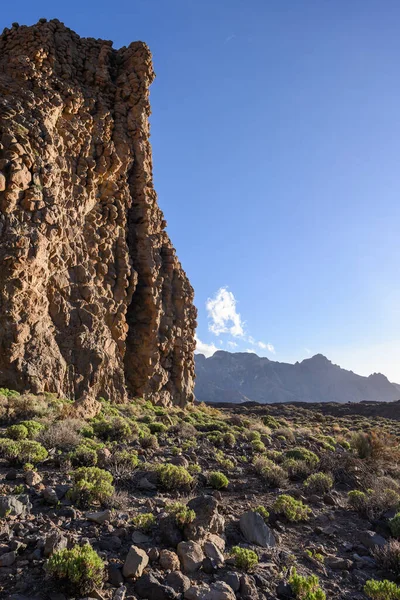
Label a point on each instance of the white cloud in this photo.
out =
(251, 340)
(250, 350)
(222, 312)
(262, 345)
(271, 349)
(232, 344)
(307, 350)
(203, 348)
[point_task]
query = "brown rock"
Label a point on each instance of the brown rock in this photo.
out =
(94, 300)
(169, 561)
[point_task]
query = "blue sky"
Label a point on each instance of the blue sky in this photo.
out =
(276, 143)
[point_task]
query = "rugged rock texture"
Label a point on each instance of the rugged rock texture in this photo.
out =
(243, 376)
(93, 300)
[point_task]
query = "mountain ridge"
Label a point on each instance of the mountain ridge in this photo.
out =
(244, 376)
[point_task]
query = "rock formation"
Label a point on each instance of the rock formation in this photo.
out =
(93, 301)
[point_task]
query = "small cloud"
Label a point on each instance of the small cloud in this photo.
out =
(262, 345)
(307, 350)
(251, 340)
(229, 38)
(232, 344)
(203, 348)
(223, 314)
(250, 350)
(271, 349)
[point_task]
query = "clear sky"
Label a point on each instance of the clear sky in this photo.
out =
(276, 143)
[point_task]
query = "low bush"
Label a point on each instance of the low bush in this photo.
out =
(33, 427)
(144, 521)
(294, 510)
(22, 451)
(303, 454)
(257, 446)
(157, 427)
(382, 590)
(63, 435)
(122, 462)
(149, 441)
(91, 484)
(84, 456)
(182, 514)
(263, 512)
(318, 483)
(80, 568)
(394, 525)
(173, 477)
(388, 557)
(373, 503)
(244, 559)
(306, 588)
(113, 429)
(17, 432)
(297, 470)
(218, 480)
(270, 472)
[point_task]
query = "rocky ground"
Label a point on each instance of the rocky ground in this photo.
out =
(202, 503)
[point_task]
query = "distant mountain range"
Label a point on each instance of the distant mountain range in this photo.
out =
(243, 376)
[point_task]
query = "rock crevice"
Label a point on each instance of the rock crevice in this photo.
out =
(93, 300)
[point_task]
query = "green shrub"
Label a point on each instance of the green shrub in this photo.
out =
(271, 422)
(157, 427)
(318, 483)
(80, 568)
(218, 480)
(388, 557)
(373, 503)
(183, 515)
(258, 446)
(297, 469)
(194, 469)
(144, 521)
(382, 590)
(244, 559)
(9, 449)
(275, 455)
(123, 462)
(303, 454)
(113, 429)
(229, 440)
(294, 510)
(91, 484)
(394, 525)
(149, 441)
(33, 427)
(17, 432)
(358, 500)
(306, 588)
(173, 477)
(263, 512)
(84, 456)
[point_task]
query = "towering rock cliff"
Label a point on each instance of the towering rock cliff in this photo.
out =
(93, 300)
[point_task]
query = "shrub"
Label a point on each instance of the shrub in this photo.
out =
(229, 440)
(275, 455)
(91, 484)
(149, 441)
(63, 435)
(183, 515)
(394, 525)
(303, 454)
(17, 432)
(8, 449)
(218, 480)
(157, 427)
(173, 477)
(144, 521)
(382, 590)
(270, 472)
(271, 422)
(244, 559)
(258, 446)
(84, 456)
(113, 429)
(294, 510)
(373, 503)
(22, 451)
(80, 568)
(263, 512)
(388, 557)
(122, 463)
(306, 588)
(318, 483)
(33, 427)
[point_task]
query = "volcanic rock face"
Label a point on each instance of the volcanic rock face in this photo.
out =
(93, 301)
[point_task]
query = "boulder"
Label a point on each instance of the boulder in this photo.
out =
(54, 542)
(207, 520)
(8, 559)
(191, 556)
(150, 588)
(212, 551)
(178, 581)
(255, 530)
(32, 478)
(135, 562)
(12, 506)
(169, 561)
(99, 517)
(370, 539)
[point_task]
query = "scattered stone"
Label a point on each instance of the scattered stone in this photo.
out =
(191, 556)
(120, 593)
(169, 532)
(50, 495)
(338, 564)
(213, 552)
(8, 559)
(221, 591)
(169, 561)
(11, 475)
(208, 519)
(99, 517)
(209, 566)
(284, 591)
(11, 505)
(115, 576)
(232, 579)
(135, 562)
(255, 530)
(178, 581)
(32, 478)
(248, 589)
(150, 588)
(198, 592)
(146, 486)
(370, 539)
(54, 542)
(140, 538)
